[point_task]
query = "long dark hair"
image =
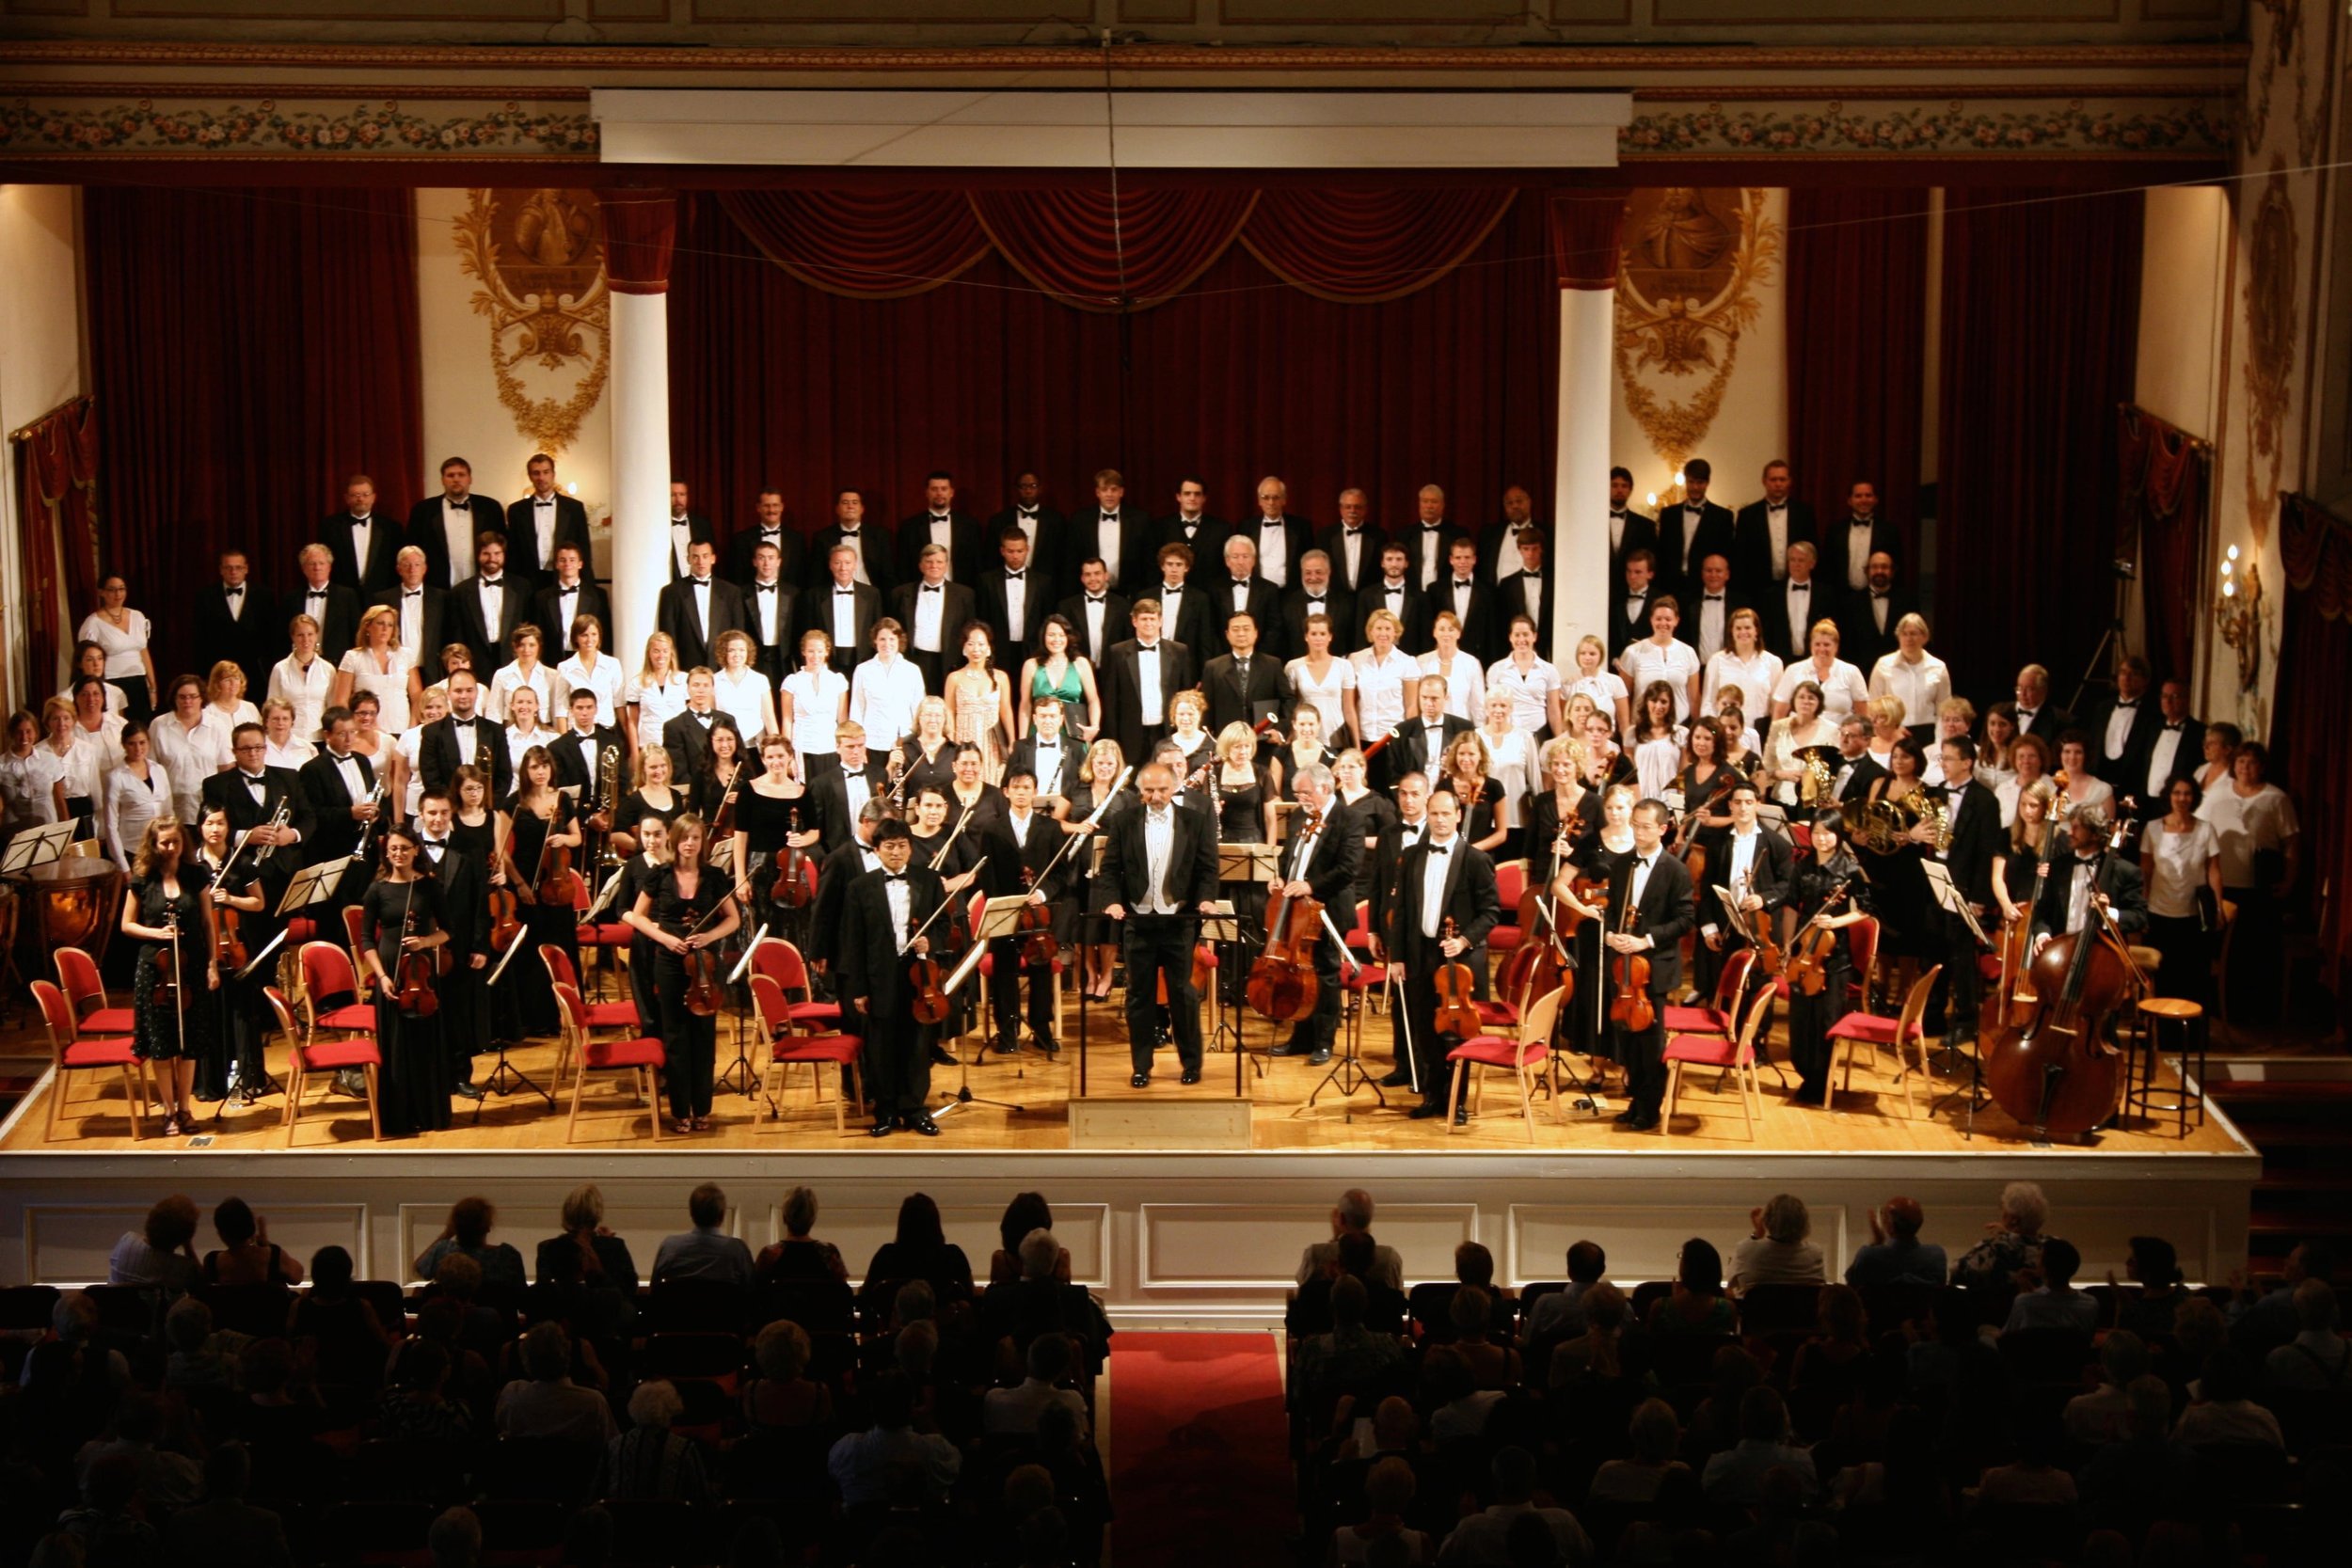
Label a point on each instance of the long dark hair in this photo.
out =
(918, 1222)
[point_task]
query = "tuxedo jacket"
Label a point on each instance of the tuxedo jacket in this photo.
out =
(2049, 721)
(816, 614)
(674, 613)
(1347, 627)
(1036, 604)
(1138, 572)
(1866, 772)
(1640, 533)
(1975, 814)
(873, 549)
(698, 531)
(1397, 837)
(792, 561)
(1117, 627)
(1331, 868)
(1682, 547)
(1231, 698)
(465, 903)
(490, 644)
(1468, 896)
(1408, 750)
(2187, 757)
(1770, 876)
(321, 785)
(1836, 536)
(960, 607)
(2127, 769)
(229, 792)
(1049, 537)
(1625, 631)
(1262, 604)
(1007, 858)
(253, 640)
(1822, 600)
(871, 965)
(1332, 542)
(1663, 915)
(1418, 540)
(522, 539)
(1191, 862)
(1122, 697)
(339, 627)
(838, 873)
(547, 613)
(1859, 640)
(1186, 619)
(1374, 596)
(835, 825)
(1527, 594)
(968, 555)
(1206, 540)
(1490, 548)
(439, 755)
(1299, 537)
(433, 626)
(376, 572)
(1751, 542)
(428, 531)
(2119, 879)
(689, 743)
(572, 768)
(1074, 756)
(1480, 627)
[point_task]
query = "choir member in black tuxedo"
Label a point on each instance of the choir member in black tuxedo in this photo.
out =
(1528, 593)
(687, 737)
(687, 528)
(1190, 524)
(239, 620)
(1472, 603)
(842, 866)
(2124, 729)
(1238, 590)
(464, 915)
(869, 541)
(1762, 532)
(1429, 541)
(1353, 544)
(1629, 606)
(844, 609)
(543, 820)
(1318, 594)
(240, 1017)
(403, 914)
(1277, 535)
(1408, 826)
(466, 737)
(445, 525)
(1139, 679)
(568, 596)
(1629, 531)
(1848, 543)
(1499, 543)
(1049, 755)
(1015, 594)
(580, 754)
(2176, 749)
(337, 787)
(250, 793)
(1826, 866)
(1973, 814)
(695, 610)
(768, 529)
(332, 605)
(1020, 844)
(486, 609)
(1866, 627)
(1655, 888)
(1319, 855)
(1749, 864)
(1857, 772)
(879, 919)
(773, 613)
(363, 542)
(1392, 588)
(540, 522)
(1444, 877)
(1244, 683)
(1421, 742)
(1687, 533)
(1118, 534)
(2036, 713)
(942, 522)
(2078, 874)
(1184, 603)
(932, 608)
(423, 612)
(685, 897)
(1160, 868)
(841, 790)
(1098, 615)
(1790, 607)
(1047, 529)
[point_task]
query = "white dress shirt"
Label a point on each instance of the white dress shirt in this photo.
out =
(1641, 879)
(1380, 684)
(542, 523)
(1017, 604)
(1776, 527)
(604, 680)
(1148, 681)
(855, 539)
(1843, 689)
(544, 683)
(883, 695)
(842, 623)
(2119, 722)
(412, 617)
(1106, 531)
(130, 804)
(1756, 677)
(306, 688)
(362, 534)
(1274, 552)
(700, 587)
(491, 591)
(190, 756)
(1430, 534)
(931, 603)
(1352, 553)
(681, 535)
(566, 611)
(1047, 764)
(235, 599)
(1800, 611)
(457, 538)
(1435, 864)
(1858, 553)
(858, 788)
(656, 706)
(1675, 663)
(900, 897)
(1159, 845)
(2160, 757)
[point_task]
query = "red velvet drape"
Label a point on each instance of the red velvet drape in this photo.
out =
(2163, 482)
(866, 243)
(2314, 693)
(1857, 348)
(776, 382)
(2039, 332)
(251, 349)
(57, 461)
(1064, 239)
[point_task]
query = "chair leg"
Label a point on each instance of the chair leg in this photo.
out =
(651, 1092)
(57, 1099)
(293, 1096)
(571, 1122)
(1910, 1080)
(1743, 1079)
(1673, 1093)
(375, 1108)
(1527, 1101)
(1453, 1109)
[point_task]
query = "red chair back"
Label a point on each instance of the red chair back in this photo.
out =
(567, 997)
(77, 974)
(559, 965)
(1510, 885)
(282, 1010)
(791, 969)
(1862, 938)
(1732, 981)
(768, 1004)
(327, 972)
(354, 928)
(58, 1014)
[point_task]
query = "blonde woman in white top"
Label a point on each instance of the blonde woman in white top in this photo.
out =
(1384, 672)
(523, 729)
(588, 670)
(191, 748)
(1596, 680)
(1510, 753)
(1911, 673)
(741, 687)
(408, 781)
(380, 665)
(136, 794)
(816, 701)
(1843, 689)
(1537, 690)
(65, 767)
(1954, 716)
(1662, 656)
(1743, 662)
(225, 704)
(658, 693)
(1325, 683)
(303, 678)
(1464, 681)
(526, 670)
(284, 748)
(122, 633)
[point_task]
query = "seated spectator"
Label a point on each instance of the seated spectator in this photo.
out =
(1635, 1481)
(1598, 1351)
(2317, 1359)
(166, 1481)
(1042, 1301)
(1776, 1251)
(2224, 1413)
(1697, 1305)
(414, 1404)
(1457, 1407)
(800, 1255)
(605, 1263)
(246, 1256)
(455, 1539)
(1483, 1539)
(2146, 1472)
(1781, 1532)
(2104, 1413)
(200, 1359)
(2199, 1332)
(1895, 1254)
(1027, 1211)
(466, 1234)
(1347, 1359)
(1474, 1264)
(546, 1402)
(1560, 1315)
(161, 1253)
(1015, 1410)
(279, 1413)
(1355, 1255)
(453, 1295)
(1716, 1424)
(1388, 1491)
(1830, 1367)
(920, 1250)
(2055, 1303)
(107, 1524)
(1735, 1478)
(2149, 1312)
(94, 1371)
(705, 1252)
(2034, 1478)
(1470, 1314)
(2259, 1324)
(224, 1531)
(1353, 1215)
(2015, 1241)
(649, 1461)
(784, 1397)
(861, 1463)
(336, 1329)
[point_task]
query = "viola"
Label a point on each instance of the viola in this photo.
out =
(1806, 968)
(1282, 983)
(1631, 1006)
(414, 976)
(703, 984)
(505, 908)
(557, 886)
(170, 994)
(1453, 982)
(796, 880)
(1038, 949)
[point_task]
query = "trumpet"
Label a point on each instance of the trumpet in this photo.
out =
(1931, 809)
(608, 800)
(1812, 787)
(368, 828)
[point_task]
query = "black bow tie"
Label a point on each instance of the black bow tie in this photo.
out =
(702, 582)
(1012, 575)
(1392, 588)
(770, 588)
(1147, 647)
(1801, 588)
(837, 592)
(1776, 506)
(1241, 582)
(1643, 863)
(1094, 598)
(2028, 712)
(849, 533)
(412, 593)
(543, 501)
(494, 583)
(1026, 510)
(894, 875)
(256, 777)
(705, 720)
(1714, 598)
(1431, 527)
(2127, 701)
(930, 588)
(2172, 727)
(1462, 582)
(850, 773)
(234, 593)
(317, 593)
(1049, 745)
(1439, 848)
(1110, 517)
(1617, 511)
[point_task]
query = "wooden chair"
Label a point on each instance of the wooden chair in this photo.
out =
(93, 1011)
(640, 1058)
(305, 1057)
(1876, 1029)
(355, 936)
(1720, 1013)
(601, 1015)
(1509, 887)
(70, 1051)
(327, 972)
(781, 962)
(787, 1046)
(1734, 1053)
(1526, 1054)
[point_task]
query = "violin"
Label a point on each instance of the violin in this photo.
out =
(1806, 968)
(721, 832)
(1453, 982)
(2060, 1072)
(505, 919)
(1037, 948)
(706, 987)
(796, 881)
(1282, 983)
(170, 994)
(414, 977)
(221, 925)
(1631, 1006)
(557, 885)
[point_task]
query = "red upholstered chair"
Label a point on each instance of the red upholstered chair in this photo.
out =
(352, 1051)
(783, 962)
(601, 1015)
(640, 1059)
(1720, 1013)
(1360, 984)
(1525, 1053)
(327, 973)
(93, 1011)
(355, 926)
(70, 1051)
(1862, 951)
(1735, 1053)
(1876, 1029)
(1510, 886)
(787, 1045)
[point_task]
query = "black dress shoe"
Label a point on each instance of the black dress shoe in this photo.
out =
(1461, 1116)
(1428, 1110)
(1646, 1122)
(1400, 1079)
(1007, 1047)
(1319, 1059)
(921, 1122)
(1051, 1047)
(885, 1126)
(941, 1057)
(1139, 1080)
(467, 1091)
(1292, 1047)
(1627, 1115)
(1190, 1075)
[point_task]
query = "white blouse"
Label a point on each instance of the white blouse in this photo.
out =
(1323, 695)
(293, 754)
(1607, 689)
(25, 788)
(307, 690)
(1923, 686)
(389, 687)
(124, 646)
(750, 698)
(543, 680)
(104, 744)
(1465, 686)
(1675, 663)
(883, 695)
(130, 803)
(190, 756)
(1531, 691)
(2246, 824)
(1754, 676)
(1380, 702)
(1843, 689)
(604, 680)
(42, 772)
(1511, 762)
(115, 700)
(815, 709)
(227, 720)
(656, 706)
(411, 747)
(2179, 863)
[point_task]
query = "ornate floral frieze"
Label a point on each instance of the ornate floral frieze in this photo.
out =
(275, 126)
(1950, 129)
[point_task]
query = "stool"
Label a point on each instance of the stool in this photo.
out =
(2156, 1012)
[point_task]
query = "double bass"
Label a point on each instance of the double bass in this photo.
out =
(2053, 1062)
(1281, 985)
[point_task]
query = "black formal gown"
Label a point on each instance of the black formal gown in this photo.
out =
(240, 1015)
(1580, 1019)
(527, 976)
(412, 1086)
(1809, 1017)
(159, 1031)
(478, 842)
(691, 1040)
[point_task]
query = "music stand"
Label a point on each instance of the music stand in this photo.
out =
(1949, 898)
(38, 847)
(1258, 864)
(999, 917)
(1347, 1073)
(312, 884)
(503, 1071)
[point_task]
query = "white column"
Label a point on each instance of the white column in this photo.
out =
(1580, 526)
(640, 469)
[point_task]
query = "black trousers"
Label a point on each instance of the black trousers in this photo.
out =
(897, 1064)
(1004, 993)
(1643, 1053)
(1156, 946)
(1809, 1018)
(689, 1041)
(2185, 971)
(1959, 990)
(135, 707)
(1429, 1047)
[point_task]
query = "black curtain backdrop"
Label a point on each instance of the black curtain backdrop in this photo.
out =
(775, 383)
(249, 350)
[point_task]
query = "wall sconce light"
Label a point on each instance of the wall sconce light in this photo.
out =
(2239, 614)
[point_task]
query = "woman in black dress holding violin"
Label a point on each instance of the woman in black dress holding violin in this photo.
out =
(171, 1028)
(1563, 841)
(239, 1014)
(401, 914)
(688, 911)
(544, 822)
(1820, 872)
(772, 818)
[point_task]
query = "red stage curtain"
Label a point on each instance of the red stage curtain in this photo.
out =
(866, 244)
(1857, 349)
(1064, 241)
(775, 382)
(251, 349)
(2040, 331)
(2161, 495)
(2314, 693)
(1360, 246)
(59, 464)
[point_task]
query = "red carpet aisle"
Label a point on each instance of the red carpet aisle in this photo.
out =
(1198, 1469)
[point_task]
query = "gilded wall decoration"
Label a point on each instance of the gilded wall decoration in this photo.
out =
(1686, 289)
(2068, 127)
(271, 128)
(2290, 29)
(539, 256)
(2272, 319)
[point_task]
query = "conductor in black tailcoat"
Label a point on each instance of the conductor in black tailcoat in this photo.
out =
(1160, 866)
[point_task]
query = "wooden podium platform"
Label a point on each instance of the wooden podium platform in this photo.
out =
(1169, 1115)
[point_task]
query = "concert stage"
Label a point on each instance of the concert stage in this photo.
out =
(1169, 1235)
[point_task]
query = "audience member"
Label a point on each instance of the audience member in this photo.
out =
(649, 1461)
(247, 1256)
(161, 1253)
(2014, 1242)
(1560, 1314)
(546, 1403)
(1482, 1539)
(1697, 1303)
(1654, 1435)
(455, 1539)
(2224, 1413)
(920, 1250)
(1895, 1254)
(860, 1462)
(468, 1234)
(1735, 1476)
(2055, 1303)
(1776, 1251)
(224, 1531)
(705, 1252)
(2317, 1359)
(800, 1255)
(2104, 1413)
(1352, 1214)
(1015, 1410)
(604, 1259)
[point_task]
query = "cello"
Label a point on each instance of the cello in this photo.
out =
(2056, 1069)
(1281, 984)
